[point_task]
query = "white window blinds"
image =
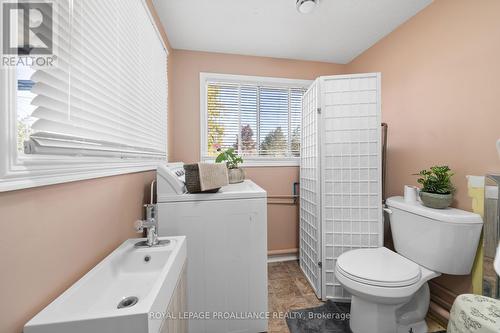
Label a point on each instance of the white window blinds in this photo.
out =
(107, 96)
(260, 121)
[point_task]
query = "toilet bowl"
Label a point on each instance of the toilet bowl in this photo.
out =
(389, 292)
(389, 289)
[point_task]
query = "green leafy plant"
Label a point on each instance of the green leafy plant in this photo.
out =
(436, 180)
(229, 156)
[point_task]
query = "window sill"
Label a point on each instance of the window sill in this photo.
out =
(264, 162)
(17, 180)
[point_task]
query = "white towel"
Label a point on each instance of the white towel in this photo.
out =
(212, 175)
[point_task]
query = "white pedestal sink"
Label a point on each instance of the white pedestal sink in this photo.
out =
(145, 275)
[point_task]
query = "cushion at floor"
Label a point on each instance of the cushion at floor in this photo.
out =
(474, 313)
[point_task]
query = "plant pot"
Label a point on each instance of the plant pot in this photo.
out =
(434, 200)
(236, 175)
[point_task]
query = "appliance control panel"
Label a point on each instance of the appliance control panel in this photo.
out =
(170, 178)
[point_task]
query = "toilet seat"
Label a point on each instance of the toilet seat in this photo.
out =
(379, 267)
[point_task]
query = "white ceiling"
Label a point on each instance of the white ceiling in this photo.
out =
(337, 31)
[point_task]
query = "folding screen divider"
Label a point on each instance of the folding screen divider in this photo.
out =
(310, 229)
(340, 176)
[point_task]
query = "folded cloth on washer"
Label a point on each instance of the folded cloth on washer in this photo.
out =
(212, 175)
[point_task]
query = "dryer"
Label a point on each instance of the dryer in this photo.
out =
(226, 247)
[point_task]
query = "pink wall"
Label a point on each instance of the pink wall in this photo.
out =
(282, 219)
(440, 91)
(440, 94)
(53, 235)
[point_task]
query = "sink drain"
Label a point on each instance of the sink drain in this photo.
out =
(127, 302)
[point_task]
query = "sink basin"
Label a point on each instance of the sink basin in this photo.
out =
(119, 293)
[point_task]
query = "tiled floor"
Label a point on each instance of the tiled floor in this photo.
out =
(289, 290)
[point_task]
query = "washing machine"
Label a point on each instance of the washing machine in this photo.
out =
(226, 248)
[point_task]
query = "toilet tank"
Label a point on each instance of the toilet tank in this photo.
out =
(442, 240)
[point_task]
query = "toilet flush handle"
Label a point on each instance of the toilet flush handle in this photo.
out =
(387, 210)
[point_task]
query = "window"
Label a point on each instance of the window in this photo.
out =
(100, 110)
(260, 117)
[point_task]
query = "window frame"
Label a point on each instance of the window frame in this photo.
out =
(20, 171)
(277, 82)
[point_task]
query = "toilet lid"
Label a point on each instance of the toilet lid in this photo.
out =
(379, 267)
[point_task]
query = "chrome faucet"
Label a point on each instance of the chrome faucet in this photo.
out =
(151, 226)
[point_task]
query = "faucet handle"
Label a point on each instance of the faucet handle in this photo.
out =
(139, 226)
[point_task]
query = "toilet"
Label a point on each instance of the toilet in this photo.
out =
(389, 289)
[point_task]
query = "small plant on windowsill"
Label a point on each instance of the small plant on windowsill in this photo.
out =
(437, 189)
(232, 160)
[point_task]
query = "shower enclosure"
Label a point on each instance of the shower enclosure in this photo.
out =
(340, 175)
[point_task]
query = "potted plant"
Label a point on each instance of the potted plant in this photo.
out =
(235, 173)
(437, 189)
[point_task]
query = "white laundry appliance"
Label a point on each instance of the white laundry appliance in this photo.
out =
(226, 247)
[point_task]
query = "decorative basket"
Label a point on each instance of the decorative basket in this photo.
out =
(192, 178)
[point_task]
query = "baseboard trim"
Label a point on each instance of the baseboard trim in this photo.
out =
(439, 314)
(283, 251)
(442, 295)
(441, 302)
(282, 257)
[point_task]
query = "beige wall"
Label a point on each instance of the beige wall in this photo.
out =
(440, 95)
(282, 219)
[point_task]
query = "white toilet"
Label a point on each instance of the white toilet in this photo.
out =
(389, 290)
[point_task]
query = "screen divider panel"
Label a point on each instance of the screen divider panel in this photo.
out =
(310, 218)
(351, 171)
